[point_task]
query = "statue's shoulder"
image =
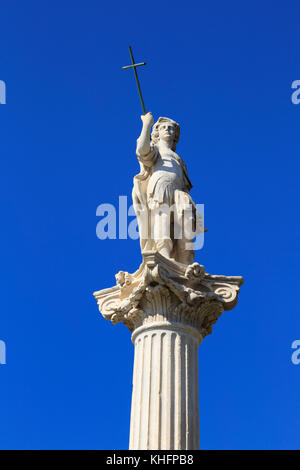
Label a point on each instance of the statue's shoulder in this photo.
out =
(178, 157)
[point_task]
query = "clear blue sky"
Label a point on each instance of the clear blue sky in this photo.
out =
(224, 71)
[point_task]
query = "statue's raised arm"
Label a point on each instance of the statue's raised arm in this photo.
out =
(143, 142)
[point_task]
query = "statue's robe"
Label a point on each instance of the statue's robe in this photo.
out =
(163, 180)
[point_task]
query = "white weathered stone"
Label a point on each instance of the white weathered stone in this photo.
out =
(165, 396)
(169, 304)
(161, 197)
(170, 308)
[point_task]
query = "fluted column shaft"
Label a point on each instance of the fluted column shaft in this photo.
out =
(165, 396)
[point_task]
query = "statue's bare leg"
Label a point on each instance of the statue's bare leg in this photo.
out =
(164, 247)
(183, 255)
(162, 234)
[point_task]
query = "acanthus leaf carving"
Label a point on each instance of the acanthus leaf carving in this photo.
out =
(165, 289)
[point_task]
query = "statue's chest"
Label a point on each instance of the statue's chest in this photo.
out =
(168, 161)
(168, 168)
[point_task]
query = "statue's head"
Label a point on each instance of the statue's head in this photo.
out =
(166, 129)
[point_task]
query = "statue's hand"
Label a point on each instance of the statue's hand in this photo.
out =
(147, 119)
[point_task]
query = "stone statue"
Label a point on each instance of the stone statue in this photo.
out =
(171, 302)
(167, 216)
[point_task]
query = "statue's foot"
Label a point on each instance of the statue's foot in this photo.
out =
(186, 259)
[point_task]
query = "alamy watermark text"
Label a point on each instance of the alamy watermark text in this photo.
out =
(2, 92)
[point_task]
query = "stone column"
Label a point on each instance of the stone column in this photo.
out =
(169, 308)
(165, 396)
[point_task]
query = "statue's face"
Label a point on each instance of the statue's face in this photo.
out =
(167, 131)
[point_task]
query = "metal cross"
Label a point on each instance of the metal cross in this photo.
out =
(134, 66)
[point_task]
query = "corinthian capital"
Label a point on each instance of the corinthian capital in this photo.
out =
(163, 290)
